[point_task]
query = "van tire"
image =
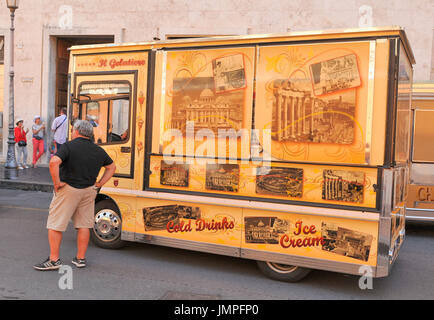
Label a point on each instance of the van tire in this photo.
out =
(282, 272)
(106, 232)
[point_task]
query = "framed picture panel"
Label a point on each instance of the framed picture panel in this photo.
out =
(314, 100)
(206, 102)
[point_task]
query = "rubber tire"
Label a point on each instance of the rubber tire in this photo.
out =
(296, 275)
(115, 243)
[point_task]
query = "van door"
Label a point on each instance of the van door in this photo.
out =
(107, 100)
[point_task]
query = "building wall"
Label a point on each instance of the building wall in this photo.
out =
(38, 22)
(1, 87)
(1, 103)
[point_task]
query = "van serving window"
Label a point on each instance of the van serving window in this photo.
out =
(107, 106)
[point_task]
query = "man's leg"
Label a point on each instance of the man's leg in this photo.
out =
(54, 239)
(53, 262)
(61, 209)
(35, 150)
(40, 149)
(83, 235)
(83, 221)
(25, 156)
(19, 155)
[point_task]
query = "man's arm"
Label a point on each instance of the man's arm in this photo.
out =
(108, 173)
(36, 131)
(54, 165)
(54, 125)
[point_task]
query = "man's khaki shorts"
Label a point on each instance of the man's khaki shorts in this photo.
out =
(72, 203)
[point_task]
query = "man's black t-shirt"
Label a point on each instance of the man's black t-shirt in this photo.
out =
(81, 162)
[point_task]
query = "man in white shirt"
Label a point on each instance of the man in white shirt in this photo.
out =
(60, 127)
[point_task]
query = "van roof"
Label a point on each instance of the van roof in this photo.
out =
(261, 38)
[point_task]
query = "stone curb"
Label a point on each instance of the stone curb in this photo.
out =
(25, 185)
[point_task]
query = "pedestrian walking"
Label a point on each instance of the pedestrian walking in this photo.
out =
(21, 141)
(74, 170)
(38, 129)
(59, 127)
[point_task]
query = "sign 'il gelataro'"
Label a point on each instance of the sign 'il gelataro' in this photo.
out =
(113, 63)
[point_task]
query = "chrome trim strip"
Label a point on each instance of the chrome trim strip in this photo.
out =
(384, 234)
(306, 262)
(415, 218)
(418, 214)
(384, 226)
(188, 244)
(421, 97)
(317, 211)
(127, 236)
(387, 184)
(422, 209)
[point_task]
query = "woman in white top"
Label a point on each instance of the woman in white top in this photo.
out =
(38, 129)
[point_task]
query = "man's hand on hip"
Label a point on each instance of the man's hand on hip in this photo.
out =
(59, 186)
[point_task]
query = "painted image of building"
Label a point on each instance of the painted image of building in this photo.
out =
(222, 177)
(300, 116)
(205, 108)
(340, 185)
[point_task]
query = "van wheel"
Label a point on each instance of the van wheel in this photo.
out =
(106, 232)
(282, 272)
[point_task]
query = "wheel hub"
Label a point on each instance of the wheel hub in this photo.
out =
(107, 225)
(282, 268)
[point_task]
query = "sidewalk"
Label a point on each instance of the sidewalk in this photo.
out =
(32, 179)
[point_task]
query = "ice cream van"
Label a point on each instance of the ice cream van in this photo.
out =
(289, 149)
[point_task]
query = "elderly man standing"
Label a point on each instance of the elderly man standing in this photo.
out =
(75, 189)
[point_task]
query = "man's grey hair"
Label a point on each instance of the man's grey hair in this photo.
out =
(83, 127)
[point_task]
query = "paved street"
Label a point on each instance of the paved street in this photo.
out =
(141, 271)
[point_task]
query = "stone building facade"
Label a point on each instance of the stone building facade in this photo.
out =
(45, 29)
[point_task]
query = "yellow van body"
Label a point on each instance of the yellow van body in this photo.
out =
(290, 149)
